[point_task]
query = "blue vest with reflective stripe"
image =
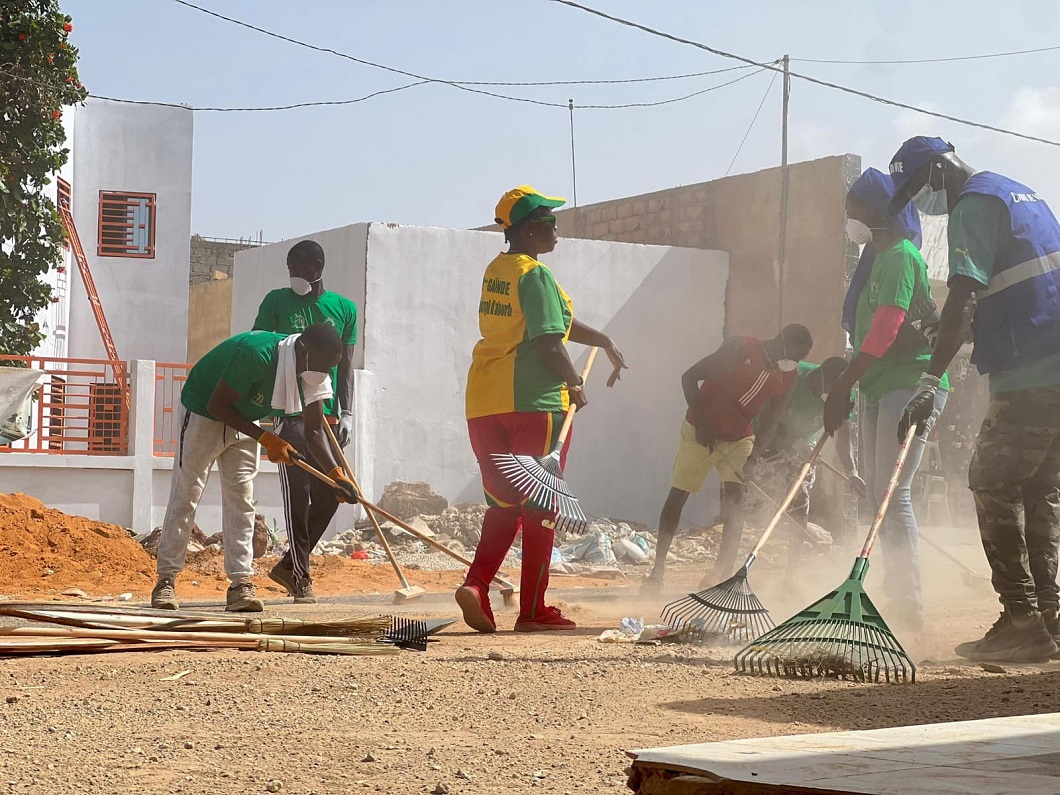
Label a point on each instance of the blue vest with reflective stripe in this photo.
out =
(1017, 320)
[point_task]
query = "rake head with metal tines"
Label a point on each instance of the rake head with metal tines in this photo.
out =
(842, 636)
(407, 633)
(728, 612)
(540, 481)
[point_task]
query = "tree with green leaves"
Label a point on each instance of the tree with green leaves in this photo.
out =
(38, 77)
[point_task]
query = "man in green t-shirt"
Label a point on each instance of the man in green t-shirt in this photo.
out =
(246, 378)
(1004, 250)
(309, 505)
(891, 353)
(784, 450)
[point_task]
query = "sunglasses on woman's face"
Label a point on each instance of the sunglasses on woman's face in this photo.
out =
(543, 219)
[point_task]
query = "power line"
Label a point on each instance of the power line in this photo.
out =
(268, 108)
(462, 84)
(374, 94)
(930, 60)
(807, 78)
(751, 125)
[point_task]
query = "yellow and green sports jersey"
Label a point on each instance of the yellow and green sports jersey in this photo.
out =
(520, 302)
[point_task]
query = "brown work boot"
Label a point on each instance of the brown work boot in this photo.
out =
(164, 595)
(1013, 638)
(303, 592)
(240, 598)
(281, 576)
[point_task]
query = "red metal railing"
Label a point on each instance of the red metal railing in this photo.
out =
(169, 381)
(80, 409)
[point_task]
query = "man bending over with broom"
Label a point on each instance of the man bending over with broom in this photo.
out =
(246, 378)
(725, 391)
(520, 385)
(309, 504)
(785, 450)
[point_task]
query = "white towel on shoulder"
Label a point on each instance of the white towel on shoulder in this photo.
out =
(286, 396)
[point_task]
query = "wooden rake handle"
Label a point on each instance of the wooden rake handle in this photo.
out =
(565, 430)
(892, 484)
(786, 502)
(371, 516)
(301, 463)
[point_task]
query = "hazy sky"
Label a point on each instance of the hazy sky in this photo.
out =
(435, 155)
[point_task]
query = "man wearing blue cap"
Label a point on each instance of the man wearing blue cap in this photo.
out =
(887, 312)
(1004, 250)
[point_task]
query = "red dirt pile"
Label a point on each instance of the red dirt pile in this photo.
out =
(48, 549)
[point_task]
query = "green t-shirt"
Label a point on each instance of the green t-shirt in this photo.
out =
(899, 277)
(247, 363)
(286, 312)
(979, 226)
(804, 419)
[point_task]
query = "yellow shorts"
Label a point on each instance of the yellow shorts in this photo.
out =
(694, 461)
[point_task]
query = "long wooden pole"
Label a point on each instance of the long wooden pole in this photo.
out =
(782, 240)
(371, 516)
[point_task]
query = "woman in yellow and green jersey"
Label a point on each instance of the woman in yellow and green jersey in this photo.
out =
(520, 384)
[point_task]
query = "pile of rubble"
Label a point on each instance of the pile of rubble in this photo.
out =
(607, 545)
(265, 541)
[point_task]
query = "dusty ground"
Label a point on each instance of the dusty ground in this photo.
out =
(554, 715)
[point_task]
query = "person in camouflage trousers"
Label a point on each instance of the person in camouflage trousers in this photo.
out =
(1004, 250)
(1015, 478)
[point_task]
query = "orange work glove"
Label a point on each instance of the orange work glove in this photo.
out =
(345, 491)
(279, 451)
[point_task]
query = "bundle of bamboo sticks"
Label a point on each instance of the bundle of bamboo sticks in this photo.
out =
(75, 628)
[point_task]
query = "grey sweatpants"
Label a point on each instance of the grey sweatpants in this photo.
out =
(202, 442)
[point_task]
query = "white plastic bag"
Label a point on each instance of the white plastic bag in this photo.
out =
(17, 385)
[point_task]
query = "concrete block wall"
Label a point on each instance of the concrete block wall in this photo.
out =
(208, 256)
(741, 215)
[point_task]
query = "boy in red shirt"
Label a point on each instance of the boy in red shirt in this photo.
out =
(725, 391)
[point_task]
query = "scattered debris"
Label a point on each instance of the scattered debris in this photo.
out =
(406, 500)
(990, 668)
(274, 786)
(176, 676)
(369, 757)
(495, 655)
(441, 788)
(75, 592)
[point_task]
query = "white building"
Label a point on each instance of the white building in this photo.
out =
(129, 182)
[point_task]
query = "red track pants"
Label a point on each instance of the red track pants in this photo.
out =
(522, 433)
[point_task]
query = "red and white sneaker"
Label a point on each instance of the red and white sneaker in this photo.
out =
(546, 621)
(475, 604)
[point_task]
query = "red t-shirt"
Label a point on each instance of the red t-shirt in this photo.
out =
(731, 400)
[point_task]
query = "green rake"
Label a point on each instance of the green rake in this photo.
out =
(842, 635)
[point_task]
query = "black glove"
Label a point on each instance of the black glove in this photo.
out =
(920, 407)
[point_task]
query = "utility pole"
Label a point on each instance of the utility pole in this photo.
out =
(782, 238)
(573, 163)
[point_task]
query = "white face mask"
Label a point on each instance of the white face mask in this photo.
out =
(859, 233)
(824, 396)
(787, 365)
(301, 286)
(932, 202)
(314, 380)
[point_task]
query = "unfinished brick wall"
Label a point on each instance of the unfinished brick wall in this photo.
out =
(208, 256)
(741, 215)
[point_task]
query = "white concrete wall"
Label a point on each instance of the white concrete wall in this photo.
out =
(144, 149)
(664, 306)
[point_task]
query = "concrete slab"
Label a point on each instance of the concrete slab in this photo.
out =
(996, 756)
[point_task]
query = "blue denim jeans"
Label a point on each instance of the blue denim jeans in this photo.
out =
(898, 534)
